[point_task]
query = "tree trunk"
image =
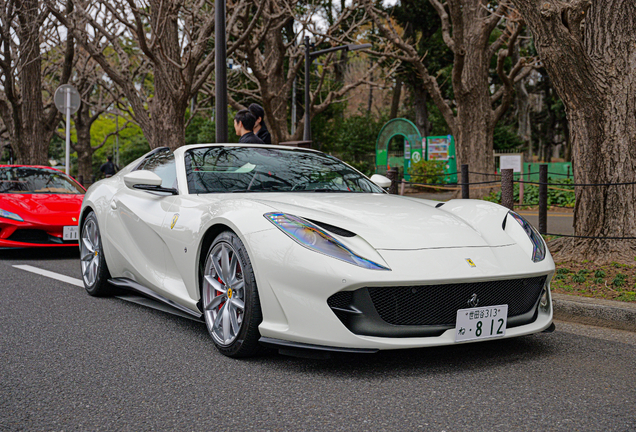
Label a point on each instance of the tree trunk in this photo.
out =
(167, 107)
(32, 138)
(592, 69)
(475, 122)
(82, 147)
(420, 98)
(395, 101)
(274, 89)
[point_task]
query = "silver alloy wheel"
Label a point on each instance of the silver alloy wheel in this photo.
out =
(223, 294)
(89, 252)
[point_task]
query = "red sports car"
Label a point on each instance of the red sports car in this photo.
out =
(39, 206)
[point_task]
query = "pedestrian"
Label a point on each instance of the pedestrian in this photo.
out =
(244, 127)
(260, 129)
(109, 168)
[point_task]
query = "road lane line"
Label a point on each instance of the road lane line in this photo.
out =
(50, 274)
(143, 301)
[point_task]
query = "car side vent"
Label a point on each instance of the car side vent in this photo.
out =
(334, 229)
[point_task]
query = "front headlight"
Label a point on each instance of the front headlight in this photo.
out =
(9, 215)
(312, 237)
(538, 245)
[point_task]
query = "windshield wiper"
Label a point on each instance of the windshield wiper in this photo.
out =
(326, 190)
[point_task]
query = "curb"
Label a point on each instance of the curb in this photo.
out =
(597, 312)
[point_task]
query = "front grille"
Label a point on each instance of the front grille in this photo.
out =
(340, 300)
(430, 310)
(37, 236)
(29, 236)
(438, 304)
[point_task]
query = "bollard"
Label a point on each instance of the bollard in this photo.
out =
(507, 190)
(465, 181)
(402, 186)
(543, 199)
(392, 174)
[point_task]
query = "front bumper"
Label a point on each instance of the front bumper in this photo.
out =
(15, 234)
(295, 285)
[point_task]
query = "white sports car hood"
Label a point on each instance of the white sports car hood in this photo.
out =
(394, 222)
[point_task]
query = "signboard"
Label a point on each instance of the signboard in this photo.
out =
(438, 148)
(510, 162)
(66, 96)
(407, 149)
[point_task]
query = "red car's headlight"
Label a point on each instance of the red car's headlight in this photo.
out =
(8, 215)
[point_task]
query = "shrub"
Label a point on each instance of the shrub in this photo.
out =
(427, 172)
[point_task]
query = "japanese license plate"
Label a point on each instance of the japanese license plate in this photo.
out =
(70, 233)
(481, 323)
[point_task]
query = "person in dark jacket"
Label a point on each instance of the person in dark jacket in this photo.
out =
(259, 128)
(109, 169)
(244, 126)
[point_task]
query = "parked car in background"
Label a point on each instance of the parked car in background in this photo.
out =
(39, 207)
(292, 248)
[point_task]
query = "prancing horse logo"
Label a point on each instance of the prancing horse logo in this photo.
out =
(474, 301)
(174, 220)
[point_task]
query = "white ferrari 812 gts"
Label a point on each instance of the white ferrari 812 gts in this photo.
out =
(292, 248)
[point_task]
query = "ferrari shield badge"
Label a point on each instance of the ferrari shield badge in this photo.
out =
(468, 260)
(175, 218)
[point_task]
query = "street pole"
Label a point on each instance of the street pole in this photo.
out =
(307, 131)
(293, 108)
(117, 139)
(68, 132)
(220, 71)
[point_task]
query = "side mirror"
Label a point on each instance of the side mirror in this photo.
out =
(141, 177)
(380, 180)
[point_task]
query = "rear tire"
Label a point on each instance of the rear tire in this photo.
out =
(229, 296)
(95, 272)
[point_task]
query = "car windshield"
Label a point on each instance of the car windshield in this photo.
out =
(36, 180)
(255, 169)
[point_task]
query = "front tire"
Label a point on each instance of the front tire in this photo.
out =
(231, 306)
(95, 272)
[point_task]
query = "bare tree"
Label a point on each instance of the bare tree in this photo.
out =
(468, 28)
(272, 56)
(588, 49)
(98, 96)
(27, 39)
(158, 52)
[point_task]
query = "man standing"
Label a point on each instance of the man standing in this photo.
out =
(109, 168)
(259, 128)
(244, 126)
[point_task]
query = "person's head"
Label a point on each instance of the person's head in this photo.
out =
(244, 122)
(109, 158)
(259, 113)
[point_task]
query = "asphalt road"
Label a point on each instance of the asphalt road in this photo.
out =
(69, 361)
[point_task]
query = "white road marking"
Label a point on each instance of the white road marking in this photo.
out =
(144, 301)
(50, 274)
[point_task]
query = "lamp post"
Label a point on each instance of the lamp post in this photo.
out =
(220, 72)
(309, 56)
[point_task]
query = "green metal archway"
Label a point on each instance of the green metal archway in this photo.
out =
(412, 146)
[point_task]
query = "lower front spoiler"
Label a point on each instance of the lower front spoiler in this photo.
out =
(297, 349)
